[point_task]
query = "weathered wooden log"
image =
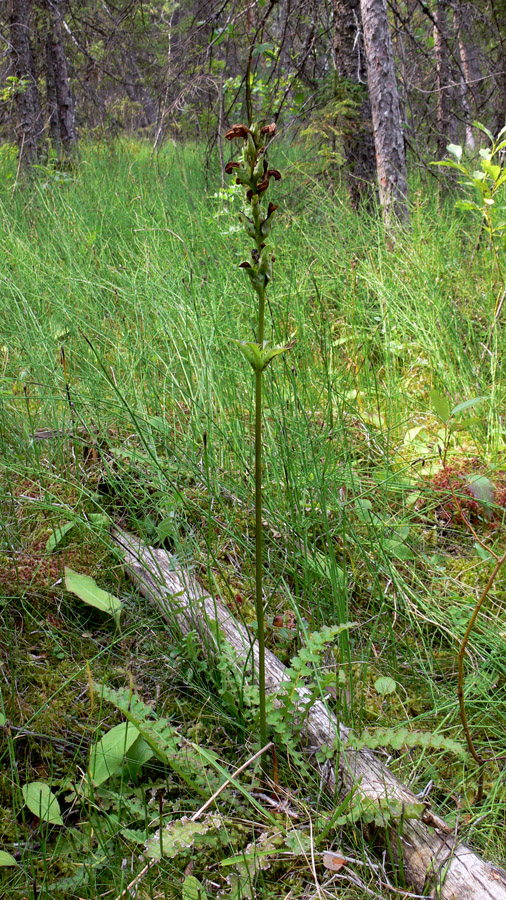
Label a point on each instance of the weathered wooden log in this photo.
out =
(434, 862)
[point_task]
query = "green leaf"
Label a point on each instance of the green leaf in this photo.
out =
(6, 859)
(474, 401)
(178, 837)
(41, 801)
(139, 753)
(398, 549)
(3, 718)
(266, 49)
(448, 164)
(440, 405)
(482, 552)
(482, 490)
(84, 587)
(193, 889)
(58, 535)
(491, 169)
(466, 204)
(455, 150)
(108, 755)
(485, 130)
(260, 357)
(385, 685)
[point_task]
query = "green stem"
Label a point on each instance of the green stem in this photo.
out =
(259, 538)
(259, 556)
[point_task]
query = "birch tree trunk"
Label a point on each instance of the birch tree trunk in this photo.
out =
(386, 117)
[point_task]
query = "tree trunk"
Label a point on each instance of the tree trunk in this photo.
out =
(29, 127)
(350, 66)
(443, 76)
(138, 93)
(471, 71)
(432, 859)
(64, 102)
(386, 117)
(51, 100)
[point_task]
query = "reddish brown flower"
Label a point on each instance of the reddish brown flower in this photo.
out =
(263, 185)
(237, 131)
(245, 265)
(271, 208)
(229, 168)
(273, 173)
(269, 129)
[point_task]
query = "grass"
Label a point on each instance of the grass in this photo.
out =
(130, 265)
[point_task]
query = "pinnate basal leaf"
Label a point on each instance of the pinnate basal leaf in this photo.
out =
(179, 836)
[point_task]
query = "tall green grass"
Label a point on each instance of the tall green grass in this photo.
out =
(129, 264)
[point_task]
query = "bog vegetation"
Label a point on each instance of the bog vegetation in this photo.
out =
(124, 399)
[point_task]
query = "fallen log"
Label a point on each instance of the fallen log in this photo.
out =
(434, 861)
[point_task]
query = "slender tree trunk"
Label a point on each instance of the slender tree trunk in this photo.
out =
(443, 76)
(386, 117)
(64, 102)
(29, 128)
(52, 103)
(138, 92)
(350, 66)
(470, 64)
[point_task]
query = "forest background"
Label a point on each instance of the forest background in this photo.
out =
(125, 402)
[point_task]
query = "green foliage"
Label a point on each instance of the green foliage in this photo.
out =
(303, 685)
(41, 801)
(86, 588)
(487, 184)
(13, 85)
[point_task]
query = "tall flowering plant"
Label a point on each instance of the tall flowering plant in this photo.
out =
(253, 172)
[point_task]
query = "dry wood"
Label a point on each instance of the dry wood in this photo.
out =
(433, 859)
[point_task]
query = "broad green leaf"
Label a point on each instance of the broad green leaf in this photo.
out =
(440, 405)
(108, 755)
(193, 889)
(482, 489)
(139, 753)
(491, 169)
(465, 424)
(58, 535)
(7, 859)
(448, 164)
(398, 549)
(41, 801)
(385, 685)
(86, 588)
(455, 150)
(3, 718)
(474, 401)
